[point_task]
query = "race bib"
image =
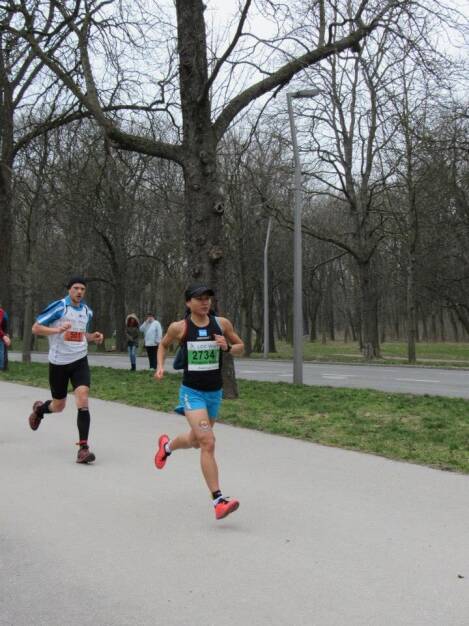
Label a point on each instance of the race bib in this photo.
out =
(203, 356)
(74, 336)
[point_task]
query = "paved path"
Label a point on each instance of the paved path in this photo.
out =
(323, 537)
(417, 380)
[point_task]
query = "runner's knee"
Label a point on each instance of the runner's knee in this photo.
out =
(81, 398)
(207, 443)
(194, 442)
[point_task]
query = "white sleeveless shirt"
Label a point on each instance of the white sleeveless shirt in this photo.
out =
(71, 345)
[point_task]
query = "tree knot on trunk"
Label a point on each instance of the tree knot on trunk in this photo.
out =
(204, 157)
(196, 272)
(219, 208)
(215, 254)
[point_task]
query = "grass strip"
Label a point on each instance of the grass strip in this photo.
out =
(427, 430)
(429, 354)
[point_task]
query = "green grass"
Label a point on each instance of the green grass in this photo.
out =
(444, 354)
(427, 430)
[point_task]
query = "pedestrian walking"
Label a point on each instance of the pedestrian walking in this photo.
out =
(204, 338)
(66, 324)
(131, 332)
(152, 333)
(5, 341)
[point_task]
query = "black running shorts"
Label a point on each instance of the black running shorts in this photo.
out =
(78, 373)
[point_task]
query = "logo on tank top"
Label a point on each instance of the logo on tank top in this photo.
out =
(203, 332)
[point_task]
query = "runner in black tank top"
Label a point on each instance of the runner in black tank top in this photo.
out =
(202, 369)
(205, 338)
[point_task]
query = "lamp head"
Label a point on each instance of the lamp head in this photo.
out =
(304, 93)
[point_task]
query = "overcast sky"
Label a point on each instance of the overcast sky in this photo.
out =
(223, 10)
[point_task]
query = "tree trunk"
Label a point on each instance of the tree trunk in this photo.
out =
(329, 321)
(101, 315)
(6, 241)
(313, 317)
(230, 385)
(351, 324)
(425, 334)
(28, 314)
(272, 313)
(246, 315)
(454, 326)
(433, 326)
(442, 325)
(369, 314)
(203, 196)
(119, 316)
(6, 218)
(204, 205)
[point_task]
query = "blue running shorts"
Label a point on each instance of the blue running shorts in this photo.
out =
(193, 399)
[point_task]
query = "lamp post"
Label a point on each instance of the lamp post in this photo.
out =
(266, 289)
(297, 247)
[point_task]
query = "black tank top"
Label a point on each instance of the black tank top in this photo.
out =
(202, 369)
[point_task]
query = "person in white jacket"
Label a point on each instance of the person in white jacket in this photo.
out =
(152, 333)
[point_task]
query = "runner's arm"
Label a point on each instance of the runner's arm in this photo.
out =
(45, 331)
(229, 338)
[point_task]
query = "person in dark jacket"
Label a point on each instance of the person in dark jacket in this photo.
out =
(4, 339)
(131, 332)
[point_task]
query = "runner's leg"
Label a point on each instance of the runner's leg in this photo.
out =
(58, 382)
(184, 441)
(83, 417)
(152, 357)
(202, 429)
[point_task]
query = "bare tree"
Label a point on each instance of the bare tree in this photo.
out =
(91, 27)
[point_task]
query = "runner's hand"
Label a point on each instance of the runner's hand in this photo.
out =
(158, 375)
(6, 340)
(63, 327)
(97, 337)
(221, 341)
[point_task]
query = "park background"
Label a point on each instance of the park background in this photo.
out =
(103, 104)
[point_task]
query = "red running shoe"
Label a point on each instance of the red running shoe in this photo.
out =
(224, 507)
(34, 418)
(161, 454)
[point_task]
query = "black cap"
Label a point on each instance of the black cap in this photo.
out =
(76, 279)
(198, 289)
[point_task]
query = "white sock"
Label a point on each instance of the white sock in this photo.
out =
(167, 447)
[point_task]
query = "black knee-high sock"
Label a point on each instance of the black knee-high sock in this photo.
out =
(44, 408)
(83, 423)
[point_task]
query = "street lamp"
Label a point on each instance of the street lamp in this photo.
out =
(297, 248)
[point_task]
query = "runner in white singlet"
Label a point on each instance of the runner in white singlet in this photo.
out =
(66, 325)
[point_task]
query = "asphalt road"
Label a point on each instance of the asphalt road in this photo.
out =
(323, 536)
(417, 380)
